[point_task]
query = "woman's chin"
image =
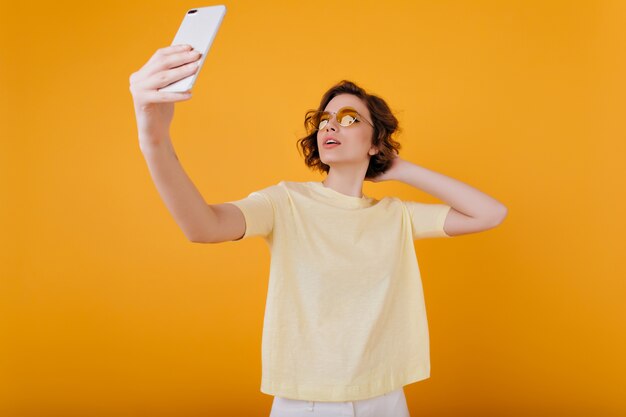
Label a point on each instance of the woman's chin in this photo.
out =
(330, 161)
(327, 161)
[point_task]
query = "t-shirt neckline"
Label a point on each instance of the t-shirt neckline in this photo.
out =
(343, 200)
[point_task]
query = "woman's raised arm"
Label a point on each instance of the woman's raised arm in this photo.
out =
(154, 110)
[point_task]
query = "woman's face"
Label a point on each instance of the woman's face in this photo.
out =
(354, 142)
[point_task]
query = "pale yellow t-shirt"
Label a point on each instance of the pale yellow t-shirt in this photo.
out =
(345, 317)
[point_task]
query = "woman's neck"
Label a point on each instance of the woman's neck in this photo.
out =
(345, 181)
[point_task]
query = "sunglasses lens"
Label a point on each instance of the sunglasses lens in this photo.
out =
(346, 117)
(322, 119)
(313, 122)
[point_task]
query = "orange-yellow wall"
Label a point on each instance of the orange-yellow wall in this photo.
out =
(107, 310)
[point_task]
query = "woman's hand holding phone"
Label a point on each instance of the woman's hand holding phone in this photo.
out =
(154, 109)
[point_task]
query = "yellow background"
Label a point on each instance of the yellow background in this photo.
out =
(107, 310)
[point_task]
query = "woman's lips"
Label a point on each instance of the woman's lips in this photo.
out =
(333, 142)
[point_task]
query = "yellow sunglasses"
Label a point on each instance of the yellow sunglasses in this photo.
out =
(345, 116)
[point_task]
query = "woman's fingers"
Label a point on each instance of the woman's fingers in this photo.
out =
(166, 62)
(166, 77)
(172, 49)
(166, 97)
(166, 66)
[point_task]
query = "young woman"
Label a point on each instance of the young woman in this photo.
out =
(345, 325)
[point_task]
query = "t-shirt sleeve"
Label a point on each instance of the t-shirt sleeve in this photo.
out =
(258, 212)
(427, 219)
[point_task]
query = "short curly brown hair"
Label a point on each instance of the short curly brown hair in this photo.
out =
(385, 126)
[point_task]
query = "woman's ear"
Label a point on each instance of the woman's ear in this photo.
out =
(373, 151)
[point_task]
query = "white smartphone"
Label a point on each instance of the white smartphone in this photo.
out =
(198, 29)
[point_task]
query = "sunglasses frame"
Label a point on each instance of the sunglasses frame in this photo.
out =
(330, 114)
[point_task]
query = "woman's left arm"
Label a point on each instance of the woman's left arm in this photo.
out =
(472, 210)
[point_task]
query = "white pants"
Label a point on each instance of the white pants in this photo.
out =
(391, 404)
